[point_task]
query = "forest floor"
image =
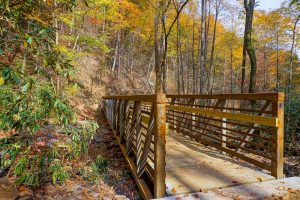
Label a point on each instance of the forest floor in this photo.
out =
(117, 183)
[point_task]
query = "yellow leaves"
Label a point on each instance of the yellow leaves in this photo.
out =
(36, 18)
(2, 81)
(25, 44)
(49, 2)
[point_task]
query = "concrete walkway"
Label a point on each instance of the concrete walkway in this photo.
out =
(192, 167)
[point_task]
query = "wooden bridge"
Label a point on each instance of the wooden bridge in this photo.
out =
(176, 144)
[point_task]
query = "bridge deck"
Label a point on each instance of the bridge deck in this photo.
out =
(192, 167)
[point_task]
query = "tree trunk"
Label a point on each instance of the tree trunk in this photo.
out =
(277, 63)
(244, 65)
(115, 62)
(180, 58)
(290, 76)
(224, 75)
(193, 58)
(218, 2)
(56, 31)
(249, 7)
(158, 71)
(202, 49)
(231, 70)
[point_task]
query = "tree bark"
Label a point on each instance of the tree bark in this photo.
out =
(218, 2)
(202, 49)
(249, 8)
(290, 75)
(277, 62)
(193, 58)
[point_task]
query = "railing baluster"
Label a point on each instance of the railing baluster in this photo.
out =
(138, 133)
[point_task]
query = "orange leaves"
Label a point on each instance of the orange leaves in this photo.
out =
(95, 21)
(173, 190)
(7, 134)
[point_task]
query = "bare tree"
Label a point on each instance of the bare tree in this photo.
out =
(161, 39)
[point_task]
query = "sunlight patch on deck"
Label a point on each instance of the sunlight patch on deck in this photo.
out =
(192, 167)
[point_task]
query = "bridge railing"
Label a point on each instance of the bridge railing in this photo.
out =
(139, 126)
(246, 126)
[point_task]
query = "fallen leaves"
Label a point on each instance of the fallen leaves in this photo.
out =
(203, 190)
(260, 179)
(173, 190)
(25, 192)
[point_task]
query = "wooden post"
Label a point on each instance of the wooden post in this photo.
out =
(278, 138)
(159, 145)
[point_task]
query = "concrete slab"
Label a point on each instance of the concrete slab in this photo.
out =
(192, 167)
(288, 189)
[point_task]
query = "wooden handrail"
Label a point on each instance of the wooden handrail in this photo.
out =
(246, 96)
(144, 98)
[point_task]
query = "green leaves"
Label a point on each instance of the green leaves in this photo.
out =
(6, 73)
(25, 87)
(59, 172)
(29, 40)
(17, 78)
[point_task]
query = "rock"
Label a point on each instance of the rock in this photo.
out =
(121, 197)
(8, 191)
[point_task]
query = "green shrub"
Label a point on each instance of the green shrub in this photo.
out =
(102, 164)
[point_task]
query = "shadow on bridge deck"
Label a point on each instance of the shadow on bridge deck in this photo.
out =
(193, 167)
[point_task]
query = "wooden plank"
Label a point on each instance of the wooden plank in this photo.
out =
(268, 121)
(246, 96)
(241, 156)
